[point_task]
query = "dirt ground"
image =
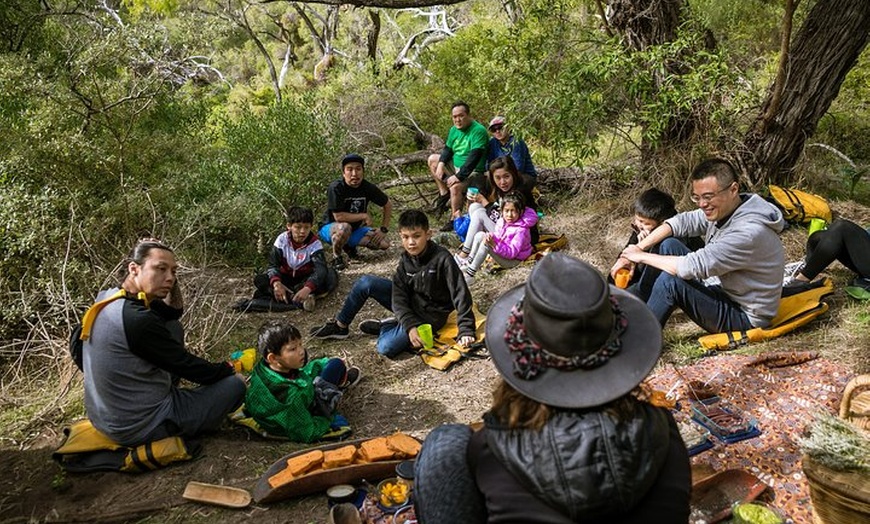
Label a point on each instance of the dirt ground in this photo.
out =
(403, 394)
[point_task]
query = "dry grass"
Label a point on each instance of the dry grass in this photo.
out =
(41, 391)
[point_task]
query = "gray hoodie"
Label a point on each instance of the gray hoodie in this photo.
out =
(744, 252)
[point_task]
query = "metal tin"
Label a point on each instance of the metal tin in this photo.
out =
(341, 493)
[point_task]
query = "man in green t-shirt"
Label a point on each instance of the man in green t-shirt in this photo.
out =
(461, 163)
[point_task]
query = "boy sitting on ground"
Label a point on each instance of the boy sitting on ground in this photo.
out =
(427, 286)
(651, 209)
(288, 395)
(297, 269)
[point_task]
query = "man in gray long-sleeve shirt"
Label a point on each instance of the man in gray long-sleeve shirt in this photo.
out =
(743, 251)
(135, 353)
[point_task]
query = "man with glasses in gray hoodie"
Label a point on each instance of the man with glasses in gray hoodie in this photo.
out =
(734, 283)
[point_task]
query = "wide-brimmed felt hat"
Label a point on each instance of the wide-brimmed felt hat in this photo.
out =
(567, 339)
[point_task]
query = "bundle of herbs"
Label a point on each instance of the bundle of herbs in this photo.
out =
(837, 444)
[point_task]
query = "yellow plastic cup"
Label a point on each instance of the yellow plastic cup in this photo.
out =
(622, 278)
(425, 332)
(817, 224)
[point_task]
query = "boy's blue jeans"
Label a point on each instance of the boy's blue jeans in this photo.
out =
(393, 338)
(334, 371)
(708, 306)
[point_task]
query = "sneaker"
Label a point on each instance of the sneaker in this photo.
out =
(791, 271)
(354, 375)
(862, 282)
(339, 263)
(370, 326)
(461, 261)
(352, 252)
(331, 330)
(241, 305)
(309, 303)
(441, 203)
(469, 277)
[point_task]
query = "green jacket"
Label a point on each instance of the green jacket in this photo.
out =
(281, 406)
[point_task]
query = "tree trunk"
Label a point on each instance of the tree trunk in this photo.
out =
(642, 24)
(826, 47)
(372, 39)
(645, 23)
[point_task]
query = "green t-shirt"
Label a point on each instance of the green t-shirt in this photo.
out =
(463, 141)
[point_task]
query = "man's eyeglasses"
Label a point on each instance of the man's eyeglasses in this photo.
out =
(707, 197)
(496, 128)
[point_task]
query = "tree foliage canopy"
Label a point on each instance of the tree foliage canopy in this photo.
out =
(198, 120)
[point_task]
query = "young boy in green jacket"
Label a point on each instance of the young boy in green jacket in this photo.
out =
(290, 396)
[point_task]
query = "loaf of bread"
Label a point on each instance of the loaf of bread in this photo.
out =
(302, 464)
(282, 477)
(403, 445)
(337, 458)
(376, 450)
(296, 467)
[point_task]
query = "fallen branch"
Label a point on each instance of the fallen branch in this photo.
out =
(410, 158)
(407, 181)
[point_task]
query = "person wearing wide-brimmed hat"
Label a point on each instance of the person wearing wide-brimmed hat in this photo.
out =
(567, 439)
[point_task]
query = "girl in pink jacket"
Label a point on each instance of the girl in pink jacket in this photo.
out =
(511, 241)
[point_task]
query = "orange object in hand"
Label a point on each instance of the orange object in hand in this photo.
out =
(622, 278)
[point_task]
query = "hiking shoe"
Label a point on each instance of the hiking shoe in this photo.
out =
(441, 203)
(791, 271)
(331, 330)
(309, 303)
(862, 282)
(352, 378)
(339, 263)
(352, 252)
(370, 326)
(241, 305)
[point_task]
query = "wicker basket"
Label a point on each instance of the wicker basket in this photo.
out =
(855, 406)
(838, 497)
(841, 497)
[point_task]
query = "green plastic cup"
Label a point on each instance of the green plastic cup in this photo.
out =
(425, 332)
(817, 224)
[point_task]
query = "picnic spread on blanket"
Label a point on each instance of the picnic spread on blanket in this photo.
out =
(764, 409)
(741, 417)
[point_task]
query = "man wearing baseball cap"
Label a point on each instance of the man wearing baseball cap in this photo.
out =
(347, 222)
(504, 143)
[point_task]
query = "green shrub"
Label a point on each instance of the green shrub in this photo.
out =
(258, 165)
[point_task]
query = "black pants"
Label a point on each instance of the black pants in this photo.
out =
(844, 241)
(262, 288)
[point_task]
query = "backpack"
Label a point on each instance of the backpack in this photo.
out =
(81, 332)
(799, 207)
(85, 449)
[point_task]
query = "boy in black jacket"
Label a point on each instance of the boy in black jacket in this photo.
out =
(426, 287)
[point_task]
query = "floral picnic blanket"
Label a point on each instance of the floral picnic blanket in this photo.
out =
(782, 400)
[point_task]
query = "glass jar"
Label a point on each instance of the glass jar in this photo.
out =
(405, 474)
